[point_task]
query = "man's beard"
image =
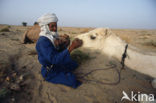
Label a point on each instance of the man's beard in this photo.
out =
(54, 34)
(55, 37)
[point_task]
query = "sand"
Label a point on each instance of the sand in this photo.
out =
(22, 59)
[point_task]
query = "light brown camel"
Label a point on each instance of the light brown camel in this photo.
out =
(31, 35)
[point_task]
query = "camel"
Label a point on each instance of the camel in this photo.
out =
(104, 40)
(31, 35)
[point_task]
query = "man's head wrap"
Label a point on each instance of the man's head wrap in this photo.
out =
(47, 18)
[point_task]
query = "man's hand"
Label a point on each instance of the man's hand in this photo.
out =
(65, 38)
(75, 44)
(62, 42)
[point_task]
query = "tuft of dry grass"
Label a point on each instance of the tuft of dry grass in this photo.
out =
(6, 29)
(126, 38)
(32, 52)
(150, 43)
(73, 32)
(85, 30)
(79, 56)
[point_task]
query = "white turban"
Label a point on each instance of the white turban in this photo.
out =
(43, 22)
(47, 18)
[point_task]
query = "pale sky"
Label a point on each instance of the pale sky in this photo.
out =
(133, 14)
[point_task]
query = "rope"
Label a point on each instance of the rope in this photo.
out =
(113, 66)
(124, 55)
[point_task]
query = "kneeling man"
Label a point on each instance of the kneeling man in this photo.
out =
(53, 54)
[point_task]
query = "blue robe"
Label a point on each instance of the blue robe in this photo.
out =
(63, 65)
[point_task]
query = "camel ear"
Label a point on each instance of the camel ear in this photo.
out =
(106, 32)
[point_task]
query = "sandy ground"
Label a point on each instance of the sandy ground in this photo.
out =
(20, 71)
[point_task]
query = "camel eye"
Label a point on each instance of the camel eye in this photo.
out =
(92, 37)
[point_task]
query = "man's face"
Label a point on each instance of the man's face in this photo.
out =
(53, 26)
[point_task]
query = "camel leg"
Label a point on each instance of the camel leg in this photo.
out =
(24, 37)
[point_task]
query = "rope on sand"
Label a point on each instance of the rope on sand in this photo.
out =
(112, 66)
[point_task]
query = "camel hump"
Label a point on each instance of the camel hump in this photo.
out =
(31, 35)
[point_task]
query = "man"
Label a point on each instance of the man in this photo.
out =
(57, 65)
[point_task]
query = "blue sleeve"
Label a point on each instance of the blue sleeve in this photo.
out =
(52, 56)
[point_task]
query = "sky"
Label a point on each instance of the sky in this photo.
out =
(124, 14)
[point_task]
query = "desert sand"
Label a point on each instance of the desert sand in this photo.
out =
(21, 81)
